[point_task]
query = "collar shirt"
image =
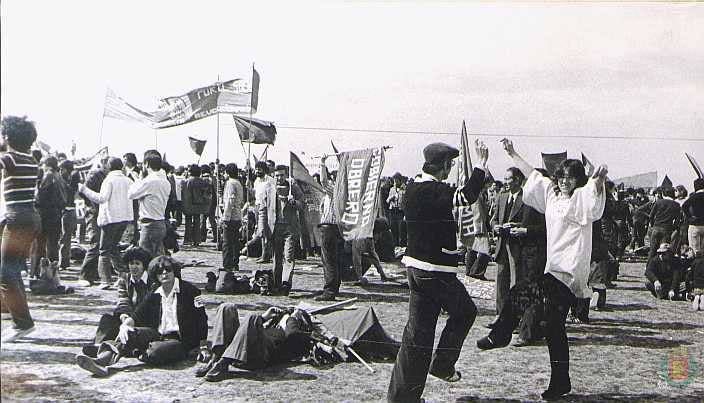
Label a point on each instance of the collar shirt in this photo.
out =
(395, 199)
(115, 206)
(152, 193)
(260, 187)
(169, 318)
(140, 283)
(233, 198)
(568, 221)
(327, 208)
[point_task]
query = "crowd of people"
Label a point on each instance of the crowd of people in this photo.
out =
(556, 239)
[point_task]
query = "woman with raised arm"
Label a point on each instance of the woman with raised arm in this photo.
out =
(571, 202)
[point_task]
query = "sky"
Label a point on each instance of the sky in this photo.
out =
(545, 75)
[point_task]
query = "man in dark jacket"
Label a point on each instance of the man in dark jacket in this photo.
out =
(663, 275)
(664, 220)
(693, 209)
(89, 268)
(50, 202)
(431, 258)
(172, 322)
(197, 196)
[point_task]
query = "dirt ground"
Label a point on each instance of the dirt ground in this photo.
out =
(624, 354)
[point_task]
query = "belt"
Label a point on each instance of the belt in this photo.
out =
(146, 220)
(171, 336)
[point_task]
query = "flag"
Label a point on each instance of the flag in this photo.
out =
(463, 210)
(239, 96)
(357, 192)
(93, 160)
(300, 173)
(117, 108)
(588, 166)
(46, 148)
(552, 161)
(255, 131)
(265, 153)
(197, 145)
(696, 166)
(666, 182)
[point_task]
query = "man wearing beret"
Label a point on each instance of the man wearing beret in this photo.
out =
(432, 266)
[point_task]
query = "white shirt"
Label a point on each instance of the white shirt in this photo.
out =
(233, 198)
(169, 319)
(152, 193)
(178, 181)
(568, 223)
(115, 206)
(260, 188)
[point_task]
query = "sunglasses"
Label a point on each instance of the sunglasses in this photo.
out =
(162, 270)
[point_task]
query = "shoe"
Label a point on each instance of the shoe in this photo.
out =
(285, 289)
(594, 301)
(203, 370)
(485, 343)
(362, 281)
(479, 277)
(326, 296)
(91, 366)
(219, 372)
(84, 283)
(13, 334)
(90, 350)
(492, 324)
(553, 393)
(105, 286)
(456, 376)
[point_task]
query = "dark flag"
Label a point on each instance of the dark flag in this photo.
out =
(300, 173)
(695, 165)
(552, 161)
(666, 182)
(197, 145)
(357, 192)
(463, 210)
(255, 131)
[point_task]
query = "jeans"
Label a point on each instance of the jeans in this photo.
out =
(430, 291)
(68, 230)
(47, 240)
(151, 237)
(231, 244)
(283, 246)
(20, 228)
(331, 246)
(109, 254)
(89, 268)
(209, 218)
(192, 230)
(395, 220)
(695, 236)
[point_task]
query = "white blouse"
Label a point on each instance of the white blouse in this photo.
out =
(568, 222)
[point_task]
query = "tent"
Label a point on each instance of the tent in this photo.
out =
(360, 329)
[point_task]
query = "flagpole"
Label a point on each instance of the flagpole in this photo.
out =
(102, 121)
(217, 162)
(156, 141)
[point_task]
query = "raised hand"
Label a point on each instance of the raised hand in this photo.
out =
(508, 146)
(482, 152)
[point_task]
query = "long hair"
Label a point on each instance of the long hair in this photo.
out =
(159, 263)
(570, 167)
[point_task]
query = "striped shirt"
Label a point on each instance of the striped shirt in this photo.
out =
(19, 173)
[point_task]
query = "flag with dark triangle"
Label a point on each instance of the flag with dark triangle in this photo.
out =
(697, 168)
(197, 145)
(666, 182)
(588, 166)
(552, 161)
(300, 173)
(255, 131)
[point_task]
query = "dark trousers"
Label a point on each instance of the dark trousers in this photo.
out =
(46, 244)
(157, 349)
(68, 230)
(659, 235)
(247, 344)
(503, 280)
(364, 255)
(430, 292)
(89, 268)
(395, 220)
(108, 328)
(209, 218)
(20, 228)
(284, 249)
(559, 300)
(108, 252)
(192, 230)
(331, 244)
(639, 231)
(151, 236)
(476, 263)
(231, 244)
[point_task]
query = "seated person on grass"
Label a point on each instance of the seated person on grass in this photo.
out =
(663, 274)
(132, 290)
(172, 322)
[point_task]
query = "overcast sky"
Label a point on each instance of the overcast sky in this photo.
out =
(564, 70)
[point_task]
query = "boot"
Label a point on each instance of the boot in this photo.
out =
(220, 371)
(105, 272)
(560, 384)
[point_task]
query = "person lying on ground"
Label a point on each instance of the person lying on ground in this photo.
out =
(172, 322)
(132, 291)
(277, 335)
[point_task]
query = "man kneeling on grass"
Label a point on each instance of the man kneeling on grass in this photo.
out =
(172, 319)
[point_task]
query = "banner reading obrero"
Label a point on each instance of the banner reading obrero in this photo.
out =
(356, 192)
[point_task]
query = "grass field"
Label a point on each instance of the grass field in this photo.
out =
(624, 354)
